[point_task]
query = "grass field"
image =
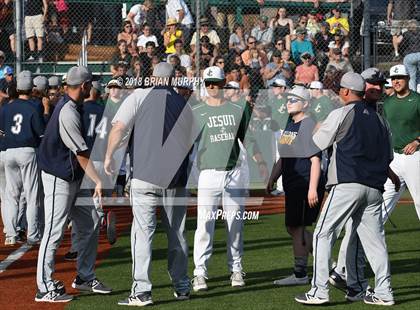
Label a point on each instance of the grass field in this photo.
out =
(267, 257)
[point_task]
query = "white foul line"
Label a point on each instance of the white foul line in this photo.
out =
(14, 256)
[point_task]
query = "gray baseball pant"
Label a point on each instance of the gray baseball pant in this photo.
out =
(2, 187)
(407, 167)
(21, 170)
(59, 201)
(362, 204)
(145, 198)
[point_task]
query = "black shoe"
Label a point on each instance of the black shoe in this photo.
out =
(182, 296)
(354, 296)
(21, 237)
(337, 281)
(70, 256)
(91, 286)
(53, 296)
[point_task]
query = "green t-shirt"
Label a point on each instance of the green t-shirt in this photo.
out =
(279, 112)
(220, 127)
(320, 108)
(403, 116)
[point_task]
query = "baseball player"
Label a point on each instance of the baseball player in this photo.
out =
(302, 181)
(221, 124)
(95, 132)
(40, 95)
(321, 104)
(96, 126)
(406, 125)
(158, 179)
(23, 129)
(356, 176)
(63, 156)
(280, 118)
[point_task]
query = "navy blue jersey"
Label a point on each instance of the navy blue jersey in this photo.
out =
(296, 171)
(93, 126)
(23, 124)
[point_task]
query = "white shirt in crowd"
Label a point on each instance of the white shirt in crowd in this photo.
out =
(172, 8)
(139, 14)
(333, 45)
(142, 40)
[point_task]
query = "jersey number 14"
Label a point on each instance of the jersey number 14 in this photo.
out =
(100, 129)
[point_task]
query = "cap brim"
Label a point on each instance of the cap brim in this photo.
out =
(214, 80)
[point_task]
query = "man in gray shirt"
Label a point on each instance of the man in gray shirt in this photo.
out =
(160, 123)
(64, 158)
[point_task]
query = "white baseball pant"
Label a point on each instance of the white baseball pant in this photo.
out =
(215, 187)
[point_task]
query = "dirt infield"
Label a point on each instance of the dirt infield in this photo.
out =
(17, 282)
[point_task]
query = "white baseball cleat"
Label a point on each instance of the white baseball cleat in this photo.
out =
(371, 299)
(199, 283)
(311, 300)
(237, 279)
(141, 300)
(292, 280)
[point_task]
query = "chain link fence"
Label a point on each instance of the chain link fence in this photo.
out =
(256, 41)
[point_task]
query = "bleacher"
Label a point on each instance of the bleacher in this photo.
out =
(247, 12)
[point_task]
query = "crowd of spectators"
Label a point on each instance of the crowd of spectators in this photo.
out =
(298, 49)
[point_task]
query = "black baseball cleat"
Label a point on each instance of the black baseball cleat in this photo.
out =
(337, 281)
(53, 296)
(111, 230)
(94, 286)
(354, 296)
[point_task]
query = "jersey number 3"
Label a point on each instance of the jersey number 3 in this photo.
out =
(100, 129)
(18, 119)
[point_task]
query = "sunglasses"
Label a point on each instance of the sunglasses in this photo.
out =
(211, 83)
(293, 100)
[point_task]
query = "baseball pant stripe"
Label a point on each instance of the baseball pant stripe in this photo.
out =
(317, 236)
(356, 263)
(49, 236)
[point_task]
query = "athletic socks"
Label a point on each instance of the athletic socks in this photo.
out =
(301, 265)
